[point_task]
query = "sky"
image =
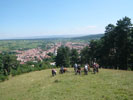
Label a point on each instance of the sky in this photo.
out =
(31, 18)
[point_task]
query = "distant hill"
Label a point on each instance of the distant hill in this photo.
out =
(90, 37)
(56, 37)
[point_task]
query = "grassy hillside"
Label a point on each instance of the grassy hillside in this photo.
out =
(40, 85)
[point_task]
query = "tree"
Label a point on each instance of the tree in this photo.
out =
(108, 47)
(63, 57)
(115, 48)
(130, 50)
(59, 57)
(8, 62)
(1, 65)
(116, 44)
(85, 55)
(122, 30)
(74, 57)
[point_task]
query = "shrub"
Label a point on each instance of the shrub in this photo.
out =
(3, 77)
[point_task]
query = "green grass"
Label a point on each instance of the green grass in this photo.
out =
(40, 85)
(9, 45)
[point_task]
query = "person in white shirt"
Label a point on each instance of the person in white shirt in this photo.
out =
(75, 68)
(86, 69)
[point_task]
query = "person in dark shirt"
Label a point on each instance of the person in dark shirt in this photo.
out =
(79, 69)
(53, 72)
(62, 70)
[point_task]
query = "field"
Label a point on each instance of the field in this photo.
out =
(24, 44)
(40, 85)
(8, 45)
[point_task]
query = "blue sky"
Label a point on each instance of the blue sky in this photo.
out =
(27, 18)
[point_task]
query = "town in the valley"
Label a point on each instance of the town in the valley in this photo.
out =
(38, 54)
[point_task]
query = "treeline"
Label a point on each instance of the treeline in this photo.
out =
(10, 66)
(114, 50)
(66, 57)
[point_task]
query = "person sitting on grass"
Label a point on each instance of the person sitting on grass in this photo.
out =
(94, 68)
(54, 72)
(86, 69)
(89, 67)
(65, 70)
(75, 67)
(97, 67)
(62, 70)
(78, 70)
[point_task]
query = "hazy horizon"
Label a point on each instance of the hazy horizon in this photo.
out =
(50, 36)
(31, 18)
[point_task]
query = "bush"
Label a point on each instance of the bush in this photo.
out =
(3, 77)
(16, 72)
(27, 68)
(129, 69)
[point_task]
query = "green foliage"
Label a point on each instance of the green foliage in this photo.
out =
(114, 49)
(130, 49)
(7, 63)
(10, 66)
(91, 53)
(74, 57)
(29, 67)
(3, 77)
(116, 43)
(63, 57)
(85, 55)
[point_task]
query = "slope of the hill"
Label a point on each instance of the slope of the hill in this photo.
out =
(40, 85)
(90, 37)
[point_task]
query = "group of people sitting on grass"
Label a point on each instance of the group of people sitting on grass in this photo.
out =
(77, 69)
(62, 70)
